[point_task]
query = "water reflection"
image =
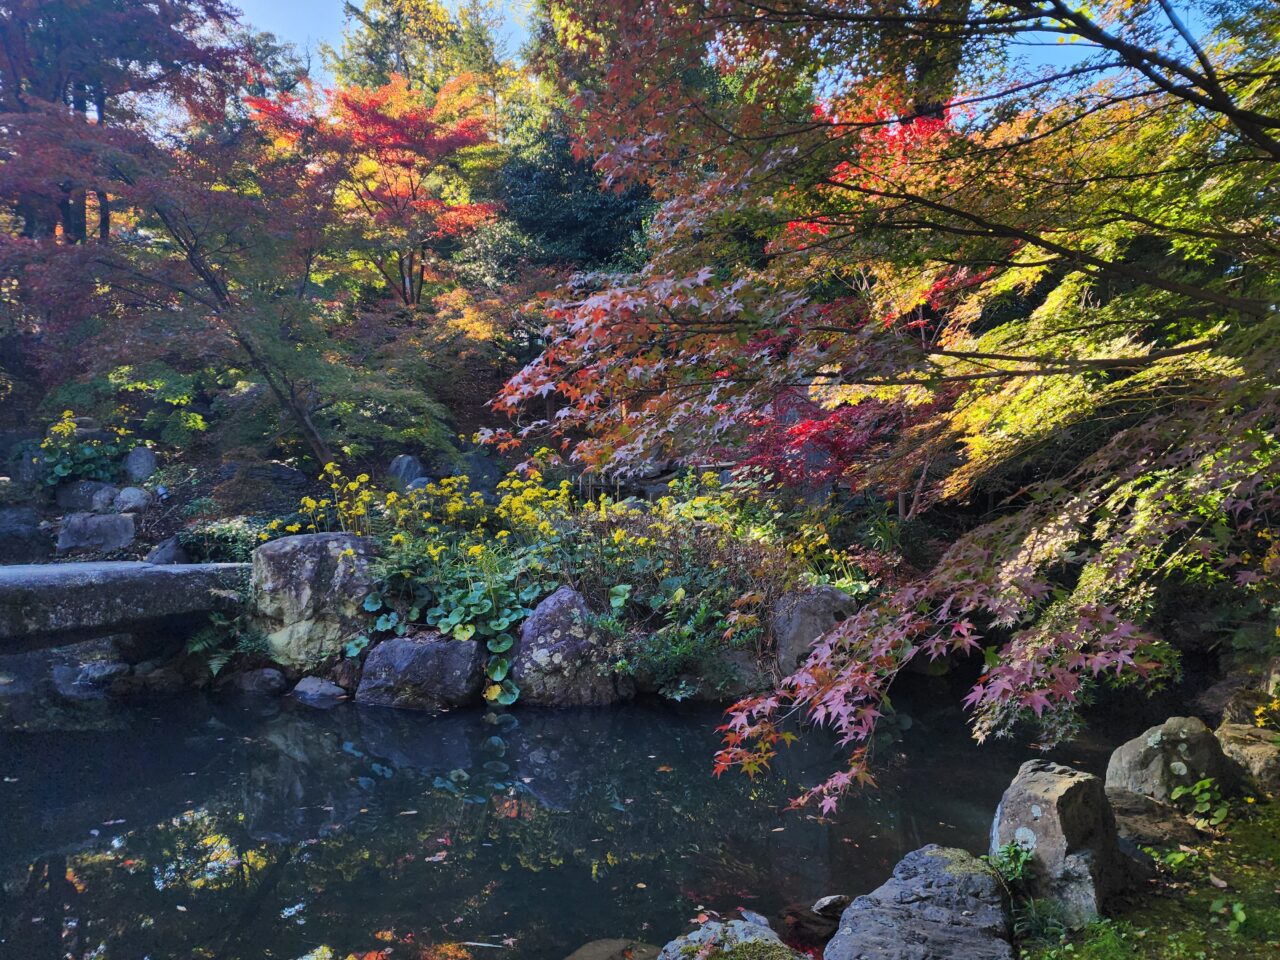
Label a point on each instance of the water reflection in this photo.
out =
(286, 832)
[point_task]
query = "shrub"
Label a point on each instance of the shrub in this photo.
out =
(68, 456)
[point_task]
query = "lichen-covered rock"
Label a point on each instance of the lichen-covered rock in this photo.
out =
(307, 593)
(1256, 750)
(729, 675)
(318, 692)
(131, 500)
(1149, 822)
(1177, 753)
(79, 495)
(423, 672)
(140, 463)
(798, 619)
(96, 532)
(737, 939)
(940, 904)
(561, 659)
(1062, 816)
(832, 906)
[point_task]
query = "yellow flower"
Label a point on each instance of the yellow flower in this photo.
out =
(1250, 800)
(293, 528)
(399, 540)
(476, 551)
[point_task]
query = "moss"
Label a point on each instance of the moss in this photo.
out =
(1179, 921)
(758, 950)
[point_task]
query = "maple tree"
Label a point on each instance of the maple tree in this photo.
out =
(1051, 287)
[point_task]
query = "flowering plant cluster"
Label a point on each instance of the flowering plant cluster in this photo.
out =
(68, 456)
(678, 579)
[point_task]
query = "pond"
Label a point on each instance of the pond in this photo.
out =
(280, 831)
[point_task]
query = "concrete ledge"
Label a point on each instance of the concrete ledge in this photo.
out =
(44, 605)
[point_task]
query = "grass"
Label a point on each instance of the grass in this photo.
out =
(1190, 914)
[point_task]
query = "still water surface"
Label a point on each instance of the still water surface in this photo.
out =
(280, 831)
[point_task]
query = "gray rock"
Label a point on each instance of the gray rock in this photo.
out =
(131, 500)
(1177, 753)
(832, 906)
(715, 938)
(1255, 749)
(424, 672)
(21, 538)
(160, 683)
(420, 484)
(43, 603)
(561, 660)
(168, 551)
(940, 904)
(104, 500)
(317, 692)
(101, 673)
(80, 494)
(1062, 816)
(307, 594)
(798, 619)
(96, 532)
(140, 464)
(263, 682)
(729, 675)
(405, 469)
(1271, 678)
(1149, 822)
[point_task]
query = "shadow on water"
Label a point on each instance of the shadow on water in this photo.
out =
(225, 831)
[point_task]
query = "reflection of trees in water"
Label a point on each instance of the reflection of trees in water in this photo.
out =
(555, 827)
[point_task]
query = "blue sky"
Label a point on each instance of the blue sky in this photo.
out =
(309, 23)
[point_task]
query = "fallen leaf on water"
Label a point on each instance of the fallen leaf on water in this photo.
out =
(641, 886)
(665, 769)
(406, 813)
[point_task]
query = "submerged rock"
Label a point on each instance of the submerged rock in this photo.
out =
(798, 619)
(1256, 750)
(940, 904)
(1062, 816)
(1177, 753)
(424, 672)
(96, 532)
(306, 594)
(561, 659)
(317, 692)
(264, 682)
(614, 950)
(716, 939)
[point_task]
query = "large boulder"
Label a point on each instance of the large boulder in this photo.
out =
(131, 500)
(140, 464)
(21, 538)
(940, 904)
(80, 495)
(1255, 749)
(1061, 815)
(405, 469)
(717, 939)
(1271, 678)
(423, 672)
(1148, 822)
(798, 619)
(729, 675)
(561, 659)
(1179, 752)
(96, 532)
(307, 593)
